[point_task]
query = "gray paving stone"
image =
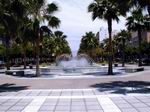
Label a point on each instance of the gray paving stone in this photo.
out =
(4, 108)
(16, 108)
(78, 111)
(92, 103)
(77, 93)
(25, 100)
(133, 101)
(78, 103)
(88, 93)
(21, 104)
(44, 111)
(47, 108)
(124, 105)
(62, 108)
(78, 108)
(13, 111)
(64, 103)
(90, 99)
(55, 93)
(143, 109)
(78, 100)
(44, 93)
(95, 111)
(8, 104)
(129, 110)
(50, 103)
(62, 111)
(139, 105)
(97, 107)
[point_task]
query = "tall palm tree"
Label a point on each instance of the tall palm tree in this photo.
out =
(10, 12)
(62, 45)
(135, 22)
(41, 13)
(145, 4)
(122, 37)
(109, 11)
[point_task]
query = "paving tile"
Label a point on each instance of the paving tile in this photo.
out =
(9, 104)
(142, 105)
(16, 108)
(124, 105)
(91, 103)
(79, 111)
(91, 100)
(50, 103)
(98, 107)
(44, 93)
(78, 108)
(78, 103)
(95, 111)
(62, 108)
(47, 108)
(143, 109)
(129, 110)
(64, 103)
(78, 100)
(4, 108)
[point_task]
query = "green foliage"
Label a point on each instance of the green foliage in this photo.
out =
(2, 50)
(89, 45)
(56, 44)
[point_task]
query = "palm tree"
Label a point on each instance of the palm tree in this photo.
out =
(145, 4)
(122, 37)
(89, 42)
(10, 12)
(62, 45)
(135, 22)
(109, 11)
(41, 13)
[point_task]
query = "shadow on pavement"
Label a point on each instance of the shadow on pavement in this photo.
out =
(120, 87)
(11, 88)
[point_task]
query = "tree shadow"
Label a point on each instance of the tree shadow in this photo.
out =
(120, 87)
(11, 88)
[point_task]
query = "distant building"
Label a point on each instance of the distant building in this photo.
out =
(145, 37)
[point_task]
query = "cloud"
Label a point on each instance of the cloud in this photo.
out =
(75, 20)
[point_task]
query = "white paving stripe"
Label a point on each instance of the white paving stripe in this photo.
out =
(35, 105)
(107, 104)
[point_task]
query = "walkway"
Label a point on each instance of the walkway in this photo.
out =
(81, 100)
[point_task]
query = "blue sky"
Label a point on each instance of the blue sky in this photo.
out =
(75, 21)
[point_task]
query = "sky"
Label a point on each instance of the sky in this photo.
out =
(75, 21)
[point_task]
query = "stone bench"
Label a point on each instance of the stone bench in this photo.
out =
(134, 69)
(15, 72)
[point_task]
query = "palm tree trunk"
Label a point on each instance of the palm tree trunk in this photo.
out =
(37, 56)
(140, 40)
(123, 53)
(110, 58)
(24, 58)
(148, 9)
(7, 53)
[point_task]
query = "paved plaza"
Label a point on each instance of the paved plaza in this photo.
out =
(79, 100)
(129, 93)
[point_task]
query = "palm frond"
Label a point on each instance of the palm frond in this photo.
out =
(54, 22)
(51, 8)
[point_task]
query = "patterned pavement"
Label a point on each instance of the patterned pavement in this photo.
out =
(72, 100)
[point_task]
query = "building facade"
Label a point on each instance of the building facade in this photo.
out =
(145, 37)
